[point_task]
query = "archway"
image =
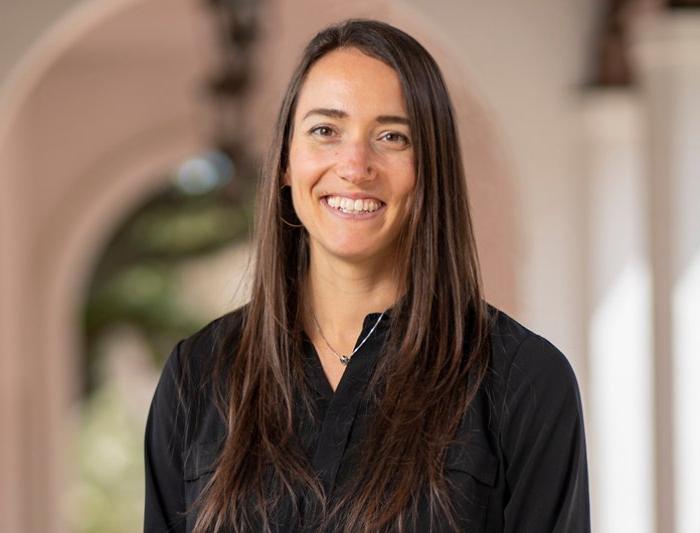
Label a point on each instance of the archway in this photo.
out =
(101, 108)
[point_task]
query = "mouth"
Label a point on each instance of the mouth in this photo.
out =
(351, 208)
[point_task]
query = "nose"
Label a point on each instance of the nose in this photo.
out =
(355, 162)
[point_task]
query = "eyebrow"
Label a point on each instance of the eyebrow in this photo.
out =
(338, 113)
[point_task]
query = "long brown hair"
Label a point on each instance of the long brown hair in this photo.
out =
(437, 347)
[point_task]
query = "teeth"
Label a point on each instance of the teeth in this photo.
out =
(348, 205)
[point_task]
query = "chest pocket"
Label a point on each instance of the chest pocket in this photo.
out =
(471, 469)
(199, 462)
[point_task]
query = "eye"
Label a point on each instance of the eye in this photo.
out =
(321, 131)
(394, 137)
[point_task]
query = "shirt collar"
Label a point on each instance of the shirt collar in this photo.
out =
(371, 318)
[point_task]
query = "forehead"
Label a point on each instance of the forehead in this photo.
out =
(349, 80)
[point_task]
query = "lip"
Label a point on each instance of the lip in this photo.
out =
(353, 216)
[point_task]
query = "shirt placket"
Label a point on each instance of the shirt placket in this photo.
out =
(341, 413)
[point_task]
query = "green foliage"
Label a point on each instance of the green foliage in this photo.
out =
(109, 454)
(134, 281)
(135, 284)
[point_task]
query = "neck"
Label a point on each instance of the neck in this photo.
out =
(341, 294)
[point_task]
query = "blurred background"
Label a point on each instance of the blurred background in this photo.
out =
(131, 133)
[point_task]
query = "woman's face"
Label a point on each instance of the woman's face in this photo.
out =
(351, 157)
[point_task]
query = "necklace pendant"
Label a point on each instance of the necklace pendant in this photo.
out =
(345, 359)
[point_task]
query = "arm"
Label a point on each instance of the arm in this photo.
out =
(543, 442)
(165, 501)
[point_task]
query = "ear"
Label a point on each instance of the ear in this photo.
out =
(285, 178)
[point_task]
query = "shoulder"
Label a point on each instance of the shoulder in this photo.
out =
(193, 359)
(221, 333)
(182, 403)
(513, 345)
(524, 361)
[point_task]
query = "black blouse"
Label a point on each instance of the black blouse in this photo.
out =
(522, 467)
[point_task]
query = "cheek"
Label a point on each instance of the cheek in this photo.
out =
(400, 168)
(306, 163)
(406, 191)
(406, 182)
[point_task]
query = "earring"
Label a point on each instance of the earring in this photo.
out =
(285, 189)
(290, 224)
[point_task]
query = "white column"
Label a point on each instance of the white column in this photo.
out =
(667, 47)
(619, 316)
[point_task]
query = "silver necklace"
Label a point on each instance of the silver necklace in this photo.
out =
(345, 359)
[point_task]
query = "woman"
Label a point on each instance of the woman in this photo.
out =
(366, 386)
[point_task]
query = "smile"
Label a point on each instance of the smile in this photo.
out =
(357, 209)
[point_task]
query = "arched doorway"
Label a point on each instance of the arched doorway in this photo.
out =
(105, 107)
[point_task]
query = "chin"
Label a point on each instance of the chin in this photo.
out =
(353, 255)
(350, 250)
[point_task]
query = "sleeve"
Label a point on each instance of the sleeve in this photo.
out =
(543, 442)
(164, 499)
